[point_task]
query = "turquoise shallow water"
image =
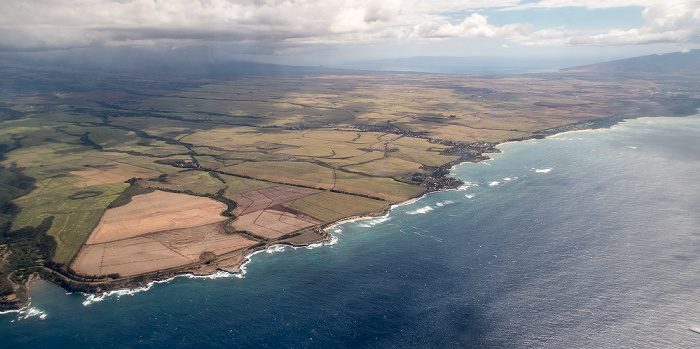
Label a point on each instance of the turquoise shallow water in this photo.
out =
(584, 239)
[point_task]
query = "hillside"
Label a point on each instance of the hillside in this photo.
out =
(669, 63)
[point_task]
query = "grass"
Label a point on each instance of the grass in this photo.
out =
(298, 173)
(387, 167)
(210, 162)
(419, 151)
(74, 218)
(384, 188)
(365, 156)
(329, 206)
(198, 182)
(237, 185)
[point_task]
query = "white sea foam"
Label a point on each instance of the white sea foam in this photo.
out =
(446, 202)
(27, 312)
(543, 170)
(631, 147)
(218, 275)
(469, 196)
(92, 298)
(407, 202)
(332, 240)
(466, 186)
(370, 222)
(275, 249)
(242, 270)
(422, 210)
(494, 183)
(9, 311)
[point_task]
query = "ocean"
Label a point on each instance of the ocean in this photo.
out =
(585, 239)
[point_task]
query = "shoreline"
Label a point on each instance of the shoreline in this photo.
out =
(144, 282)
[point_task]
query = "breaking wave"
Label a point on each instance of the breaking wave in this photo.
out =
(26, 313)
(466, 186)
(422, 210)
(370, 222)
(93, 298)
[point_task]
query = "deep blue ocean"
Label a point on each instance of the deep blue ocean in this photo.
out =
(586, 239)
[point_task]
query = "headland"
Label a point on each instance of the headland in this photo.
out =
(145, 178)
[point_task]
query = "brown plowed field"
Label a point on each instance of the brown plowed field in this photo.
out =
(257, 200)
(156, 251)
(156, 231)
(272, 224)
(163, 230)
(156, 211)
(127, 257)
(191, 242)
(112, 172)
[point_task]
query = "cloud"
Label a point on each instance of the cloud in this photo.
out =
(590, 4)
(46, 24)
(474, 25)
(666, 23)
(53, 24)
(283, 25)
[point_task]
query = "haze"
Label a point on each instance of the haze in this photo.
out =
(344, 33)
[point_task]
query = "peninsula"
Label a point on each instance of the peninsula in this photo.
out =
(114, 179)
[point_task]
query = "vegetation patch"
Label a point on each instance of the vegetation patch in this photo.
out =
(85, 194)
(131, 191)
(329, 206)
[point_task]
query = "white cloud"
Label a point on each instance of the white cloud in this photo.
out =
(277, 25)
(474, 25)
(666, 23)
(56, 23)
(591, 4)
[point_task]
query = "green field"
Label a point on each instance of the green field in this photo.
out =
(328, 206)
(288, 172)
(75, 215)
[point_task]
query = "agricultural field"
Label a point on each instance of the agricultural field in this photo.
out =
(330, 206)
(294, 151)
(155, 231)
(153, 212)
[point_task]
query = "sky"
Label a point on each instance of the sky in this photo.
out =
(331, 32)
